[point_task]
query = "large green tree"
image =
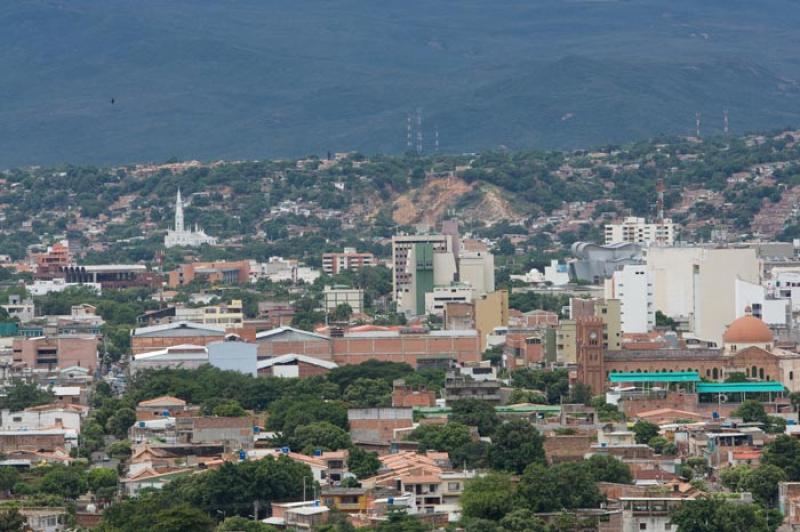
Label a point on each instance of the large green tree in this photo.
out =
(605, 468)
(645, 431)
(367, 393)
(717, 515)
(784, 452)
(321, 435)
(475, 413)
(515, 445)
(488, 497)
(563, 486)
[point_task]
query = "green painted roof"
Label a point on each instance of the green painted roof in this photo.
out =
(668, 376)
(527, 407)
(734, 387)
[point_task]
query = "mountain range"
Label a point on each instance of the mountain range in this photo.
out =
(119, 81)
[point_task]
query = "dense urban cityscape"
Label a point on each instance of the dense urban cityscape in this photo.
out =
(602, 340)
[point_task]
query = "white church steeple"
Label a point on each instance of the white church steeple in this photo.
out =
(180, 236)
(179, 213)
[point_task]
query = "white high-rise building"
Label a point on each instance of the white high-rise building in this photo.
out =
(180, 236)
(632, 286)
(638, 231)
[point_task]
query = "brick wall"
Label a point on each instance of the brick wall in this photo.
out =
(567, 448)
(145, 344)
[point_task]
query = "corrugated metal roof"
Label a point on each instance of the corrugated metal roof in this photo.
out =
(669, 376)
(734, 387)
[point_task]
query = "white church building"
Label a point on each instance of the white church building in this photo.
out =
(180, 236)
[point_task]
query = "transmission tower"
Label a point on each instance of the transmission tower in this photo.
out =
(409, 138)
(419, 131)
(725, 121)
(697, 124)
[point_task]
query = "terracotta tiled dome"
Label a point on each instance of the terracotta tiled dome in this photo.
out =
(747, 330)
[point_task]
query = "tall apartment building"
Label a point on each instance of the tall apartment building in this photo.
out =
(638, 231)
(632, 285)
(419, 263)
(698, 284)
(476, 267)
(349, 259)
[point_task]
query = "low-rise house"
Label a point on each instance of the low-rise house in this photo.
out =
(378, 426)
(44, 416)
(298, 515)
(49, 439)
(234, 433)
(151, 479)
(45, 518)
(165, 406)
(478, 382)
(347, 500)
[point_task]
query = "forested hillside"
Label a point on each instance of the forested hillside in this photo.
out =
(543, 200)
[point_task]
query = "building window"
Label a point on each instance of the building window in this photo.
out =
(791, 375)
(453, 486)
(642, 526)
(761, 373)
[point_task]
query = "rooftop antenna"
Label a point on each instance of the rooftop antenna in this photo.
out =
(697, 124)
(660, 201)
(419, 131)
(725, 121)
(409, 140)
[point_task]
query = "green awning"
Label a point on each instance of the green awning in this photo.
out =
(739, 387)
(667, 376)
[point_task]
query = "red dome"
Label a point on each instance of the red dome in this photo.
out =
(748, 330)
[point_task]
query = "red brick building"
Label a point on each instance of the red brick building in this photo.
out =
(404, 395)
(221, 272)
(414, 347)
(56, 352)
(156, 337)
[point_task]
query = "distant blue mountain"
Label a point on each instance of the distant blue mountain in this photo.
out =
(268, 78)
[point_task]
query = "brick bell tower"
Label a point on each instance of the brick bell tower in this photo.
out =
(589, 344)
